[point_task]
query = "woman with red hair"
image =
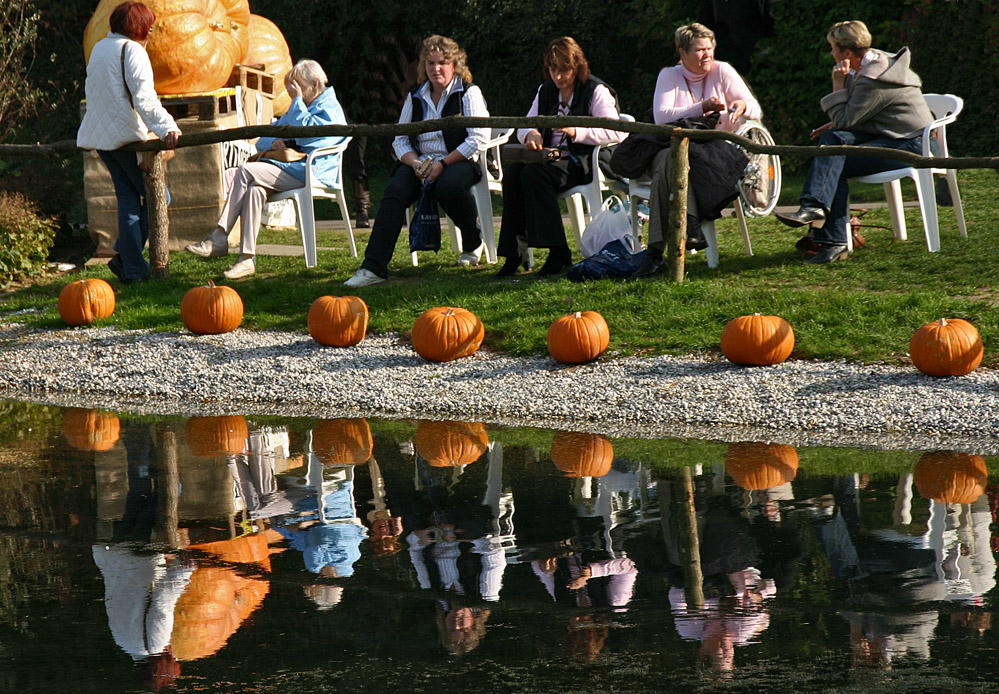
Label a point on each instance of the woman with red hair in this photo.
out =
(122, 107)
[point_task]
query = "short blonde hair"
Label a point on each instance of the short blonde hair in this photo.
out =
(686, 34)
(307, 72)
(850, 36)
(450, 49)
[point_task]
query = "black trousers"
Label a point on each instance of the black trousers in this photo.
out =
(530, 203)
(453, 193)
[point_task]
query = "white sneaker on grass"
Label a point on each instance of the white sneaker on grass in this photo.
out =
(470, 259)
(244, 267)
(363, 278)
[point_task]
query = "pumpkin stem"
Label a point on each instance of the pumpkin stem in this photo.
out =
(577, 314)
(943, 322)
(211, 284)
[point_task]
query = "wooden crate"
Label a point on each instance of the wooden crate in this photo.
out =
(253, 77)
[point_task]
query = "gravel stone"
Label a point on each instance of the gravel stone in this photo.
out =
(694, 396)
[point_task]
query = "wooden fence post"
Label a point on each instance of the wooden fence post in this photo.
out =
(690, 545)
(154, 177)
(676, 231)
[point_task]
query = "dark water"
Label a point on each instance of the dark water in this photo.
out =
(273, 555)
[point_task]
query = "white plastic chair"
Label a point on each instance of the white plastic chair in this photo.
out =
(590, 193)
(483, 200)
(945, 108)
(763, 170)
(314, 188)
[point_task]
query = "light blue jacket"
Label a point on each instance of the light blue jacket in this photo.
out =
(325, 110)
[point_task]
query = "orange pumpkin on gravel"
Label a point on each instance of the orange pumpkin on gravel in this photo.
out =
(952, 477)
(338, 321)
(578, 337)
(582, 455)
(84, 301)
(268, 48)
(342, 441)
(209, 437)
(451, 444)
(946, 347)
(757, 340)
(90, 430)
(446, 333)
(194, 44)
(756, 465)
(211, 310)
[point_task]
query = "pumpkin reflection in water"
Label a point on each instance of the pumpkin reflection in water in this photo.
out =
(219, 599)
(450, 444)
(342, 441)
(952, 477)
(90, 430)
(208, 437)
(753, 465)
(582, 455)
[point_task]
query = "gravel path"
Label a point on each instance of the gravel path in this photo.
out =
(798, 402)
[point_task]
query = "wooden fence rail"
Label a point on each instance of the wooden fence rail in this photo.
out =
(676, 233)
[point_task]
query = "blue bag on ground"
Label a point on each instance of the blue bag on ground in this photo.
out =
(619, 258)
(425, 229)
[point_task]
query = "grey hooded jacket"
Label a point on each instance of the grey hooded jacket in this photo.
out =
(884, 98)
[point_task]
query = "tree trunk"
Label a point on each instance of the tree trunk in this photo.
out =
(676, 231)
(690, 545)
(154, 177)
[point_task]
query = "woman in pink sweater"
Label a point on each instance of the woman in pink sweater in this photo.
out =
(697, 86)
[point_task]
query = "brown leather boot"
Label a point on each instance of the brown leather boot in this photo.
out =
(363, 198)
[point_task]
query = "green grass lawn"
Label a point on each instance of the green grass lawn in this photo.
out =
(863, 309)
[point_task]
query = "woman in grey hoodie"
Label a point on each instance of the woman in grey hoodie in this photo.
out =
(875, 101)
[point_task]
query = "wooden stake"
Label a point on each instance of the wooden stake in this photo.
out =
(690, 545)
(169, 486)
(154, 177)
(676, 231)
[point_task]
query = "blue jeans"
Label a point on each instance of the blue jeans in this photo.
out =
(133, 218)
(826, 184)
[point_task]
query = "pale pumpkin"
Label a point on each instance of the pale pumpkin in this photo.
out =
(578, 337)
(194, 44)
(946, 347)
(342, 441)
(446, 333)
(757, 340)
(338, 321)
(211, 310)
(84, 301)
(756, 465)
(90, 430)
(268, 48)
(953, 477)
(210, 437)
(577, 454)
(451, 444)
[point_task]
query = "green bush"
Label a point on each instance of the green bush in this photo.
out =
(25, 238)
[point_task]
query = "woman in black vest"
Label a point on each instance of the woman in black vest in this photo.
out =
(448, 159)
(531, 215)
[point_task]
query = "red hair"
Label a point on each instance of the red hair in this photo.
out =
(132, 19)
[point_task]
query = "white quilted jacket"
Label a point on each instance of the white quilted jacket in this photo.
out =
(110, 120)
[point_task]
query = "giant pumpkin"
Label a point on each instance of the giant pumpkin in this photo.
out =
(342, 441)
(268, 48)
(577, 454)
(755, 465)
(451, 444)
(194, 44)
(952, 477)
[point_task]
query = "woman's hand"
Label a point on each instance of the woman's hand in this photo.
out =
(534, 140)
(293, 88)
(278, 144)
(712, 104)
(737, 108)
(569, 132)
(580, 581)
(171, 139)
(839, 72)
(434, 172)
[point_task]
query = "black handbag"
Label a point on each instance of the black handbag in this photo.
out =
(633, 157)
(519, 154)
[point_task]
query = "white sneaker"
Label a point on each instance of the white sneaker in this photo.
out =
(215, 245)
(363, 278)
(470, 259)
(244, 267)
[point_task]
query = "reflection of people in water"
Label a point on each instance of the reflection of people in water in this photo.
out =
(385, 527)
(461, 628)
(255, 473)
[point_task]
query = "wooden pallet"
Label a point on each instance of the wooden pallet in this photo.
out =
(253, 77)
(203, 106)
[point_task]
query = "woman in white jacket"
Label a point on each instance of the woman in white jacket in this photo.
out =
(122, 107)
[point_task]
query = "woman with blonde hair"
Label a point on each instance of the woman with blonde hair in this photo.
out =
(446, 159)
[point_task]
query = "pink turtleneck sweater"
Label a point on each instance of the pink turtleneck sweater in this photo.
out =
(679, 93)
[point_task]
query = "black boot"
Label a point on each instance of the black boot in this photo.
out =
(652, 263)
(695, 235)
(511, 265)
(363, 198)
(559, 260)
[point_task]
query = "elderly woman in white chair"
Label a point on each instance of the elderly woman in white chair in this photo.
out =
(697, 86)
(313, 103)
